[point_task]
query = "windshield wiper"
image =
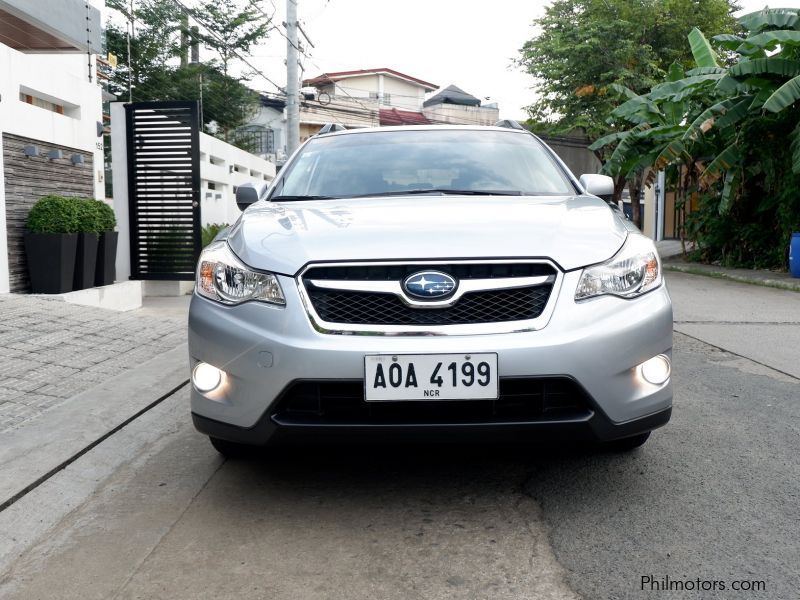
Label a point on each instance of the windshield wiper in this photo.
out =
(293, 198)
(443, 191)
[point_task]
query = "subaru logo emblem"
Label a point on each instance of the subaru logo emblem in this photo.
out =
(429, 284)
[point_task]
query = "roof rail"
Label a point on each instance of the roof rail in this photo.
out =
(330, 128)
(509, 124)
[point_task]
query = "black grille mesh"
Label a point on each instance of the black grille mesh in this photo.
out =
(368, 308)
(520, 400)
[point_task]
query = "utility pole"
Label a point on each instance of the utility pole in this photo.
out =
(184, 38)
(292, 79)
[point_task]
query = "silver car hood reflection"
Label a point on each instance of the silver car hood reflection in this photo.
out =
(283, 237)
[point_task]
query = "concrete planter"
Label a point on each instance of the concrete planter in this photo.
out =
(51, 261)
(106, 269)
(85, 261)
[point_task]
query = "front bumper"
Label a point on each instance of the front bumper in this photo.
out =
(597, 343)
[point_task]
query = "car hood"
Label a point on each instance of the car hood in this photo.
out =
(283, 237)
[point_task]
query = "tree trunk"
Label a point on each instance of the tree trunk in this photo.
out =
(635, 188)
(619, 185)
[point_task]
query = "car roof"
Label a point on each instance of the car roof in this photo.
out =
(425, 128)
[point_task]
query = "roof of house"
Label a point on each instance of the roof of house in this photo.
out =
(328, 78)
(393, 116)
(452, 95)
(272, 102)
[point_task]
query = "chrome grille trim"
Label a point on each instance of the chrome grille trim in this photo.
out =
(465, 286)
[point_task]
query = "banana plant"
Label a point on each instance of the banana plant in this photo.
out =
(696, 120)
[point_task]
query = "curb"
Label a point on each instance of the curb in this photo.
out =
(53, 440)
(765, 280)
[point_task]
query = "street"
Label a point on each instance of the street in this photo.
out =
(152, 511)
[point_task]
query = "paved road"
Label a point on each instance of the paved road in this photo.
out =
(714, 496)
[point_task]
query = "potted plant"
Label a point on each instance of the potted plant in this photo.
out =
(88, 240)
(106, 269)
(51, 241)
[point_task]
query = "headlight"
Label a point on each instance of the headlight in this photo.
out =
(634, 270)
(222, 277)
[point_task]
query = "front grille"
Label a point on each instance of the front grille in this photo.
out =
(398, 272)
(521, 400)
(369, 308)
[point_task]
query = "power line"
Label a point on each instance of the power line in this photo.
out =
(255, 5)
(275, 27)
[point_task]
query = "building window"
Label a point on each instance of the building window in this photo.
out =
(41, 103)
(256, 139)
(385, 99)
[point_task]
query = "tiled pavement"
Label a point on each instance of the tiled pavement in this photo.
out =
(51, 351)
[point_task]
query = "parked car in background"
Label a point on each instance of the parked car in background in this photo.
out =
(429, 283)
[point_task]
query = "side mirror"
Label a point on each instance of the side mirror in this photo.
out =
(250, 193)
(599, 185)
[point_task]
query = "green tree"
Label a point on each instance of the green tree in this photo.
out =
(158, 69)
(226, 102)
(153, 47)
(231, 30)
(584, 46)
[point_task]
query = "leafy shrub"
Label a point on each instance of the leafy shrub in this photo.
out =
(108, 221)
(90, 219)
(211, 230)
(756, 231)
(55, 214)
(168, 249)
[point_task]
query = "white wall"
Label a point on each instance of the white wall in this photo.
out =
(225, 167)
(402, 94)
(457, 114)
(61, 78)
(119, 167)
(649, 204)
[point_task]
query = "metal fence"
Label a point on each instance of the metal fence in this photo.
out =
(164, 189)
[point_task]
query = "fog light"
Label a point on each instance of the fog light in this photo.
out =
(205, 377)
(656, 370)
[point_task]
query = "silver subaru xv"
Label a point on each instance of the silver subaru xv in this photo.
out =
(429, 283)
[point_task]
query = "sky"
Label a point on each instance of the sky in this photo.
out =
(469, 43)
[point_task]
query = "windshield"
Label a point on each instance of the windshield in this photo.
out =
(434, 160)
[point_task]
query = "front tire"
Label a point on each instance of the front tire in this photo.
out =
(231, 449)
(628, 444)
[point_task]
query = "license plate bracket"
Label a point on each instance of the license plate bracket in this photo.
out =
(430, 377)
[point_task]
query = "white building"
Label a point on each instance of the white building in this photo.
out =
(372, 97)
(266, 131)
(50, 115)
(387, 87)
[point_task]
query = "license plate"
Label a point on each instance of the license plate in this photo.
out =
(393, 377)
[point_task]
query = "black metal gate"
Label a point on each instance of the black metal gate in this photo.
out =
(164, 189)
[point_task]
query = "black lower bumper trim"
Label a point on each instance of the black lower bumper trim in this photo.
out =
(595, 428)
